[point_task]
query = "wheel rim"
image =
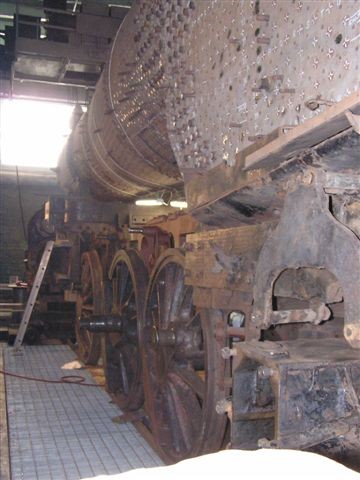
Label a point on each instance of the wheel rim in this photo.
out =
(90, 302)
(123, 369)
(182, 365)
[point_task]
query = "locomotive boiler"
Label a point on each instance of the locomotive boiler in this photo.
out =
(243, 324)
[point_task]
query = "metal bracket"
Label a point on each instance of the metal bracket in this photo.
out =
(308, 235)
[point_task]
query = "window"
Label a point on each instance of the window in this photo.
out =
(33, 133)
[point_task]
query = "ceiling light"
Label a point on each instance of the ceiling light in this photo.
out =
(149, 202)
(178, 204)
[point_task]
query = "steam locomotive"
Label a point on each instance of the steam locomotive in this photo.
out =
(239, 321)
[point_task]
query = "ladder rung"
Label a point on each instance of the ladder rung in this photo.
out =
(33, 294)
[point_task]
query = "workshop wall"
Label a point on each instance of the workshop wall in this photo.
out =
(12, 240)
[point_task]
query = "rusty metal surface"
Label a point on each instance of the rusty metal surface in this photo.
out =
(229, 196)
(224, 258)
(183, 370)
(121, 144)
(191, 84)
(302, 394)
(241, 69)
(317, 240)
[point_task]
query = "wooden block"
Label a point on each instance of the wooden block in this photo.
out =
(314, 131)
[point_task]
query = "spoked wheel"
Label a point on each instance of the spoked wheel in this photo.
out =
(183, 368)
(123, 370)
(90, 302)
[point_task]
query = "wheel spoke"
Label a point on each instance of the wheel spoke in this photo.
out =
(91, 282)
(124, 374)
(186, 306)
(86, 299)
(177, 297)
(195, 318)
(170, 274)
(123, 282)
(180, 431)
(159, 302)
(187, 410)
(127, 301)
(192, 380)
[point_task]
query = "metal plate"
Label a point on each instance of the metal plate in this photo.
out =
(245, 68)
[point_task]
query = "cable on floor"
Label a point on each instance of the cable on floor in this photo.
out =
(68, 379)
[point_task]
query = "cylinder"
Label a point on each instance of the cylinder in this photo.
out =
(190, 84)
(120, 145)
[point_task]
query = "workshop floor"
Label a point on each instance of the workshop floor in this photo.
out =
(62, 431)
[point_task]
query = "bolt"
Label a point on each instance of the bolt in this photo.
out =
(262, 18)
(264, 443)
(201, 246)
(263, 40)
(223, 406)
(308, 178)
(227, 353)
(279, 77)
(255, 138)
(189, 247)
(237, 319)
(287, 90)
(265, 372)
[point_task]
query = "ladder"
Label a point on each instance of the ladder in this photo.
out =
(33, 294)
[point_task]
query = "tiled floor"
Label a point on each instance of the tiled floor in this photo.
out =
(65, 431)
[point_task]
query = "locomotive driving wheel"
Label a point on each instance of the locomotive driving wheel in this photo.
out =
(123, 370)
(183, 367)
(90, 302)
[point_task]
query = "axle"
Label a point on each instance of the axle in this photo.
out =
(102, 323)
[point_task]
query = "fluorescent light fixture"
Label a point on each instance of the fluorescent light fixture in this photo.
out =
(33, 133)
(178, 204)
(149, 202)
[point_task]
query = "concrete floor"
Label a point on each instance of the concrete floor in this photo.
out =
(62, 431)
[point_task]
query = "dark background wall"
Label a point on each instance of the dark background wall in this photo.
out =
(12, 241)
